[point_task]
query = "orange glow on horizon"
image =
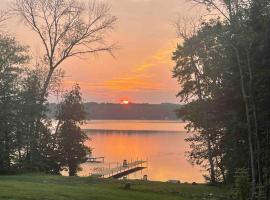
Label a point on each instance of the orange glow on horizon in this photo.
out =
(125, 102)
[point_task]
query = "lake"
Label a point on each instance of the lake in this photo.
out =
(161, 143)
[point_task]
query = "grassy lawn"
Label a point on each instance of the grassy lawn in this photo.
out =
(42, 187)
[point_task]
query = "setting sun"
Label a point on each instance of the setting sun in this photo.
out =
(125, 102)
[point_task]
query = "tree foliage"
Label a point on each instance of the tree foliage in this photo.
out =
(12, 58)
(71, 138)
(223, 69)
(28, 142)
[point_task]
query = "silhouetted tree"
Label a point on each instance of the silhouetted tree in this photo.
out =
(233, 51)
(12, 58)
(71, 138)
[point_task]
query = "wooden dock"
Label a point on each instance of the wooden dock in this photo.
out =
(120, 171)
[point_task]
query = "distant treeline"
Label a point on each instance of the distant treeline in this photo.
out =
(106, 111)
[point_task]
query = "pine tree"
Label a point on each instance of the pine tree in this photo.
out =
(71, 115)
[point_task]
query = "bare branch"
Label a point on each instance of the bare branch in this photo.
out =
(186, 27)
(4, 16)
(67, 28)
(218, 5)
(225, 8)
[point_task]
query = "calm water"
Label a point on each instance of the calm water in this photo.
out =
(160, 142)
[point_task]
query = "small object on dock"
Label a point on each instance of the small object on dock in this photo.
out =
(125, 163)
(145, 177)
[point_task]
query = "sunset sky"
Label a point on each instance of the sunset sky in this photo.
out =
(141, 69)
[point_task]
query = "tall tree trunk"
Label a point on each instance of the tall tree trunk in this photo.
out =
(222, 169)
(249, 117)
(72, 170)
(46, 85)
(211, 160)
(7, 149)
(254, 117)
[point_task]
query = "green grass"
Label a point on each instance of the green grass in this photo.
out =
(42, 187)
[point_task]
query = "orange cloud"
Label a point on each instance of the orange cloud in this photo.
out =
(135, 83)
(148, 78)
(163, 56)
(132, 83)
(143, 67)
(160, 57)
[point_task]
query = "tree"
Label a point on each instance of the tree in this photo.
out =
(241, 66)
(12, 58)
(71, 138)
(22, 147)
(33, 133)
(66, 28)
(244, 19)
(198, 75)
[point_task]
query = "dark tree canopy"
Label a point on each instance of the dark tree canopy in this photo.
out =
(71, 138)
(223, 69)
